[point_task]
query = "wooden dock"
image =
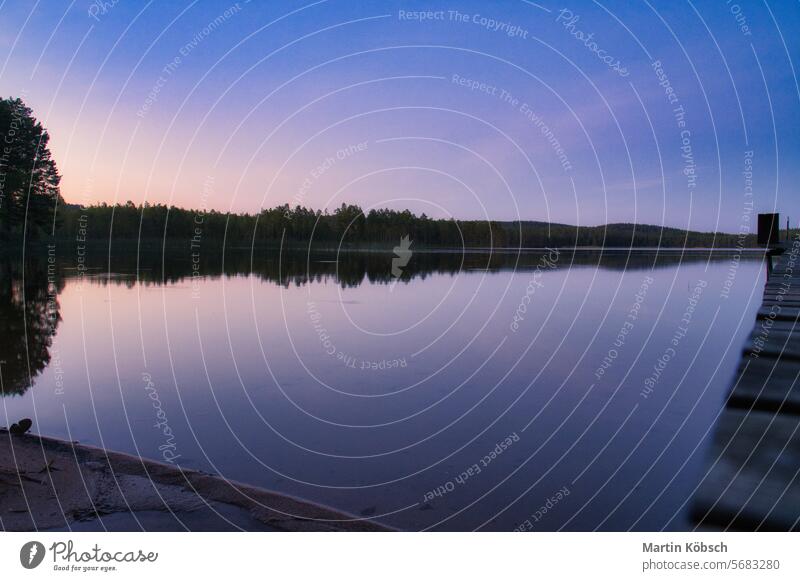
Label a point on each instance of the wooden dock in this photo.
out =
(752, 477)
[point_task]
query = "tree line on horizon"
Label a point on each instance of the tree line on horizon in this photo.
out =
(31, 209)
(350, 226)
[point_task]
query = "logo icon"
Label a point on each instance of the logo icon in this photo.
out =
(402, 256)
(31, 554)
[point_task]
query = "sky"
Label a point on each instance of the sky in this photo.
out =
(675, 113)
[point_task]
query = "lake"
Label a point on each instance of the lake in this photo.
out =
(541, 390)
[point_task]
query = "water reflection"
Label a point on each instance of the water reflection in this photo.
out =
(29, 317)
(317, 376)
(30, 311)
(347, 267)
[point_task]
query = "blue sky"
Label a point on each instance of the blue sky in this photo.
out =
(503, 110)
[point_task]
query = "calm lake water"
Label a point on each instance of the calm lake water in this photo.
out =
(547, 390)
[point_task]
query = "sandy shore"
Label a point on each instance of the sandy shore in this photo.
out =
(53, 484)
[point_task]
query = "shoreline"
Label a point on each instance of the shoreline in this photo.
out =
(216, 246)
(49, 483)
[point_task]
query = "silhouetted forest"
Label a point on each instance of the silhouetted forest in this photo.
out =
(29, 178)
(348, 225)
(31, 208)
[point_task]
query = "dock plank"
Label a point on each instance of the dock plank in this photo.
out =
(775, 344)
(753, 480)
(753, 477)
(784, 314)
(767, 385)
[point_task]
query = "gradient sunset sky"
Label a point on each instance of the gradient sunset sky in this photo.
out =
(504, 110)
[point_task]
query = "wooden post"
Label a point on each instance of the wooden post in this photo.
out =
(768, 229)
(769, 235)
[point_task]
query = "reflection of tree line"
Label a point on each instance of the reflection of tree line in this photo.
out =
(29, 316)
(351, 269)
(29, 309)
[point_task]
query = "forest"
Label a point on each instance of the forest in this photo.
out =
(33, 210)
(350, 226)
